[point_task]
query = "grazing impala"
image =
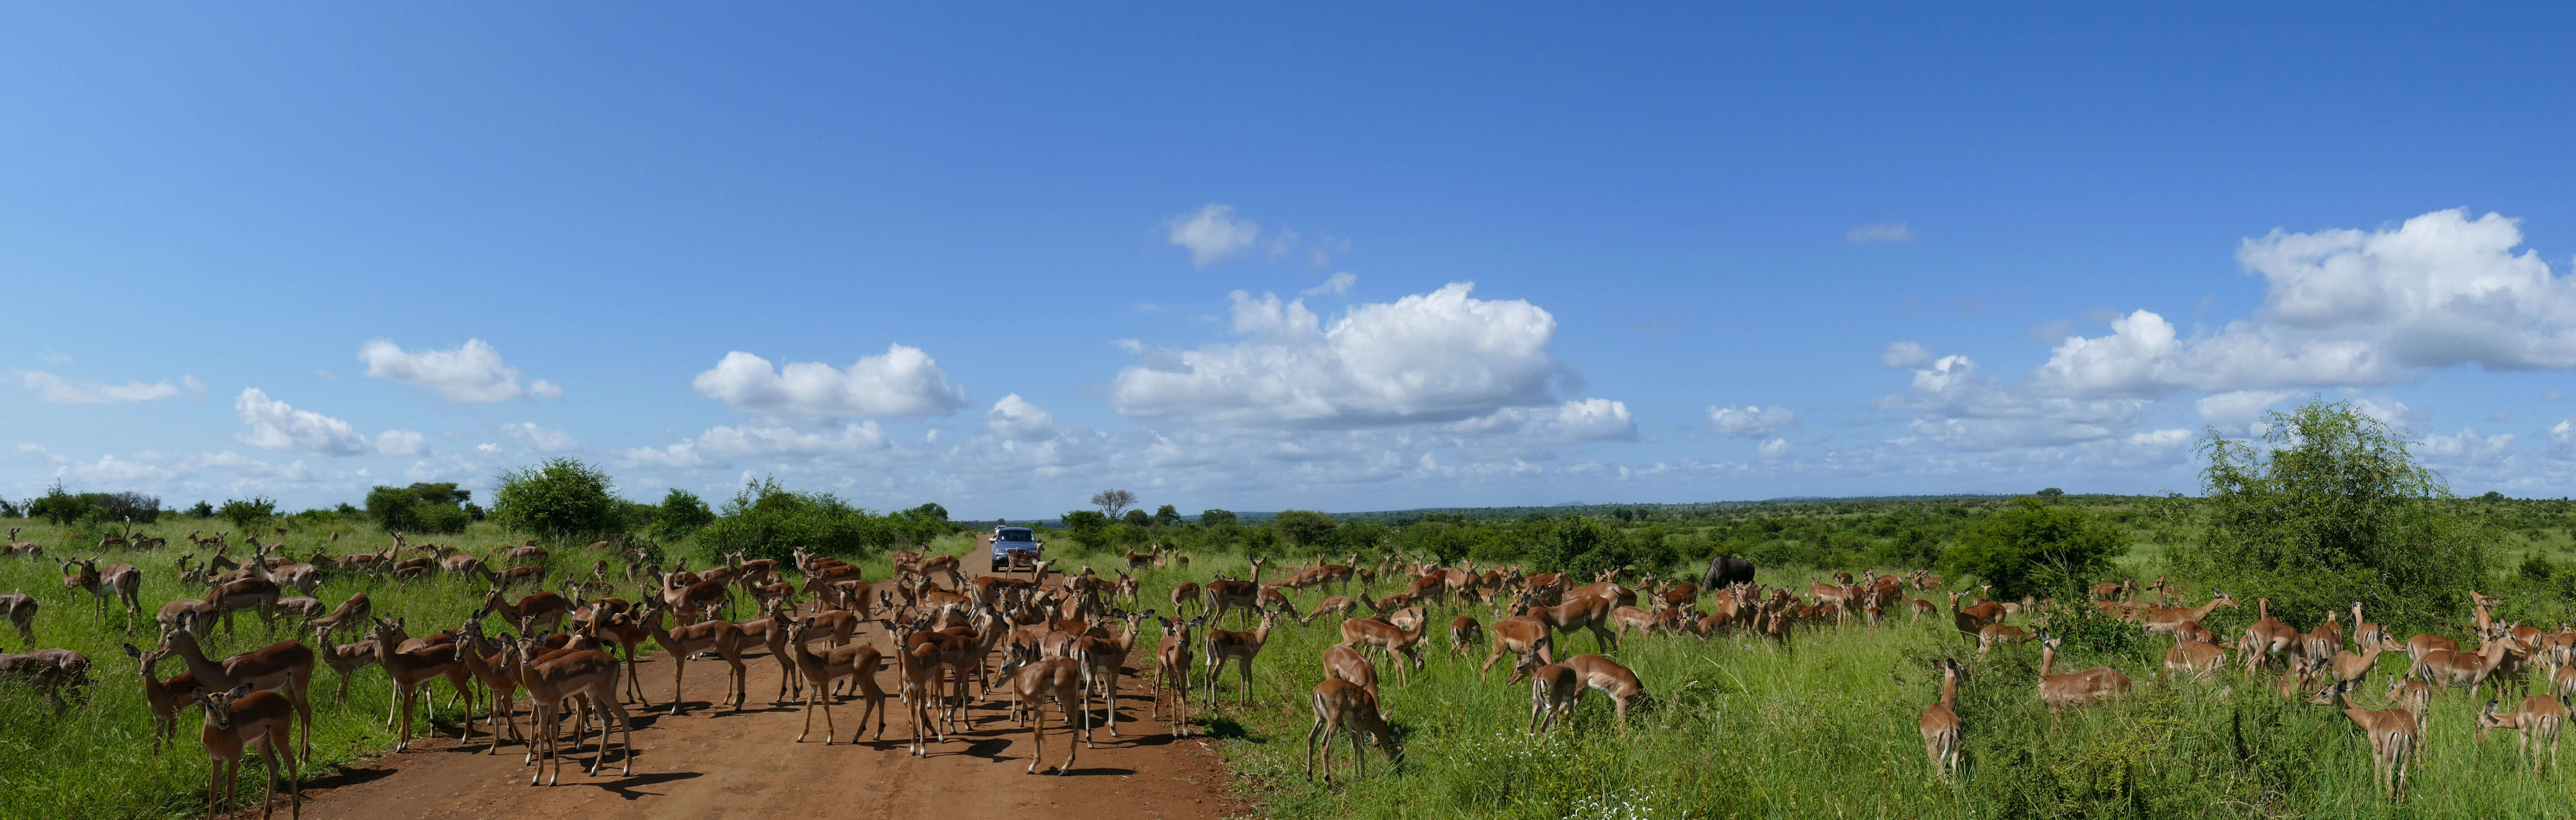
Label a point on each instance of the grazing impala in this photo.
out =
(2058, 692)
(1556, 688)
(1386, 637)
(1940, 723)
(2539, 721)
(1343, 707)
(1341, 662)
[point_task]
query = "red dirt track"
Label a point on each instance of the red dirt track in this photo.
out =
(711, 764)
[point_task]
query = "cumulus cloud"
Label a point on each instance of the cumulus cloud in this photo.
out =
(903, 381)
(471, 372)
(54, 389)
(1338, 284)
(1749, 421)
(275, 425)
(1016, 419)
(1879, 232)
(540, 439)
(2236, 411)
(1212, 233)
(1434, 357)
(2348, 308)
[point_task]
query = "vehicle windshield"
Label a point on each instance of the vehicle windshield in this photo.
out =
(1015, 535)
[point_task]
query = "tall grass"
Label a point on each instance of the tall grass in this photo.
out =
(1826, 727)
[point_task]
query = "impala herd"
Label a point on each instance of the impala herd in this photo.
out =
(1067, 639)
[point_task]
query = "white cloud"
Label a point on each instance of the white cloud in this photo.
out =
(2349, 308)
(1015, 419)
(1749, 421)
(1585, 420)
(1212, 233)
(904, 381)
(2237, 411)
(722, 446)
(275, 425)
(1776, 449)
(54, 389)
(1879, 232)
(1338, 284)
(540, 439)
(2466, 454)
(1440, 356)
(471, 372)
(1905, 356)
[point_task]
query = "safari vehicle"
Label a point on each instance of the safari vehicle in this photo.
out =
(1015, 548)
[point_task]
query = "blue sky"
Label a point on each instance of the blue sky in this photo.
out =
(1345, 257)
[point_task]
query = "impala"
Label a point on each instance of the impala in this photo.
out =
(2196, 658)
(2393, 738)
(2058, 692)
(1996, 634)
(553, 677)
(165, 697)
(1940, 723)
(285, 666)
(1343, 707)
(2168, 619)
(2540, 719)
(1172, 670)
(21, 608)
(1240, 648)
(243, 718)
(2448, 668)
(2266, 637)
(1344, 663)
(1059, 680)
(681, 642)
(1556, 688)
(1464, 632)
(857, 662)
(410, 670)
(1383, 636)
(1516, 635)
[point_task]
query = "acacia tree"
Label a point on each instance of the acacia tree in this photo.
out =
(1112, 502)
(2329, 507)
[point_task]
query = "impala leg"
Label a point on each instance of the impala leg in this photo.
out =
(1037, 735)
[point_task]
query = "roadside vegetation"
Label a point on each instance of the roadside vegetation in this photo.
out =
(2329, 510)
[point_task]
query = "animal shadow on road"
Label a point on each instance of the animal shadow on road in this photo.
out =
(625, 786)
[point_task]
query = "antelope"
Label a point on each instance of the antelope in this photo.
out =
(356, 610)
(1518, 634)
(1172, 670)
(553, 677)
(1463, 632)
(24, 549)
(305, 609)
(1343, 707)
(1239, 647)
(2393, 737)
(2323, 641)
(917, 671)
(243, 718)
(2197, 658)
(1556, 688)
(857, 662)
(613, 619)
(541, 608)
(286, 666)
(2266, 637)
(682, 641)
(2350, 667)
(1971, 619)
(2415, 696)
(2539, 720)
(1060, 680)
(1183, 595)
(410, 669)
(165, 697)
(1381, 635)
(1940, 723)
(1578, 612)
(1101, 659)
(345, 659)
(2364, 632)
(1341, 662)
(492, 665)
(2447, 667)
(1996, 634)
(2166, 620)
(2058, 692)
(21, 608)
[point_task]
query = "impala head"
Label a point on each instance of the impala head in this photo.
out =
(219, 707)
(1529, 662)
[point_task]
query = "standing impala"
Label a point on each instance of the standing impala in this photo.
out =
(681, 642)
(856, 661)
(1377, 634)
(1172, 671)
(2393, 738)
(2266, 637)
(2166, 620)
(1940, 723)
(243, 718)
(1556, 688)
(286, 666)
(2540, 719)
(1239, 647)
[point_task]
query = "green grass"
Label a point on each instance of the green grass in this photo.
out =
(1828, 729)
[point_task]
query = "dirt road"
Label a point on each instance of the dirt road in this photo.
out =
(711, 764)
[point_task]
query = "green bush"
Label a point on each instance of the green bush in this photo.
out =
(246, 512)
(765, 520)
(562, 500)
(2033, 546)
(438, 508)
(681, 515)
